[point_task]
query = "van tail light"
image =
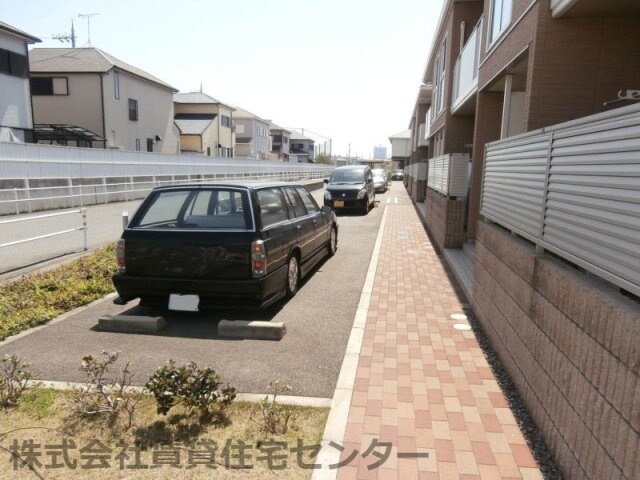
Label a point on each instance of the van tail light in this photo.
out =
(258, 259)
(120, 256)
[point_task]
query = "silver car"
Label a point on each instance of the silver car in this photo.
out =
(379, 179)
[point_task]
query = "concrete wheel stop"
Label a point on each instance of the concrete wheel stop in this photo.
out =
(130, 324)
(252, 329)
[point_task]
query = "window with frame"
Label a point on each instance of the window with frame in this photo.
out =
(133, 110)
(296, 203)
(500, 18)
(309, 202)
(149, 144)
(13, 63)
(225, 121)
(49, 86)
(137, 144)
(272, 207)
(439, 77)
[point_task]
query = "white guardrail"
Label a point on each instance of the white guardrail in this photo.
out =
(82, 228)
(574, 190)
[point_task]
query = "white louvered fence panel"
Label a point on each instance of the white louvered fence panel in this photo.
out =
(584, 205)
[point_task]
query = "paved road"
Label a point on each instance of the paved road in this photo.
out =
(104, 224)
(309, 357)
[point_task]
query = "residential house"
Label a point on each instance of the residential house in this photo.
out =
(533, 168)
(86, 97)
(280, 141)
(16, 118)
(252, 135)
(400, 149)
(204, 124)
(301, 147)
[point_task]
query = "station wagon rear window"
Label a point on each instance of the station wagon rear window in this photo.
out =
(201, 208)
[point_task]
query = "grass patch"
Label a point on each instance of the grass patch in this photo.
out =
(38, 298)
(41, 418)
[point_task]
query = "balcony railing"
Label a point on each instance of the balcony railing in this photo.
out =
(574, 190)
(448, 174)
(465, 71)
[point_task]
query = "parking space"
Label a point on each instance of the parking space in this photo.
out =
(318, 320)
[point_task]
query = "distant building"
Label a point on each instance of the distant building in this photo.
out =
(16, 119)
(301, 147)
(85, 97)
(204, 123)
(400, 148)
(379, 153)
(280, 141)
(252, 135)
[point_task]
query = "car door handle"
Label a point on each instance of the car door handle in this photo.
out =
(298, 227)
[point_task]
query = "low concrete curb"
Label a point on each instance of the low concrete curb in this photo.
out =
(131, 324)
(253, 329)
(336, 425)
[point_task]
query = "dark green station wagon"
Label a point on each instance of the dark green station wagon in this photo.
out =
(193, 247)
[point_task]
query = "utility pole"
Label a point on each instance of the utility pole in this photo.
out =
(88, 17)
(65, 37)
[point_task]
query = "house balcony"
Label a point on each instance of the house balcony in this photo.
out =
(449, 174)
(572, 189)
(590, 8)
(423, 135)
(465, 74)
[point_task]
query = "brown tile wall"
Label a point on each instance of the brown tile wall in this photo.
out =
(445, 219)
(572, 346)
(580, 63)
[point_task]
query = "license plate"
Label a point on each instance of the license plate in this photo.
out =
(338, 204)
(184, 303)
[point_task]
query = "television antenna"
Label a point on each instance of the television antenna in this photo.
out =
(88, 17)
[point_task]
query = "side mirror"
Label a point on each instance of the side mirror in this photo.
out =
(326, 180)
(325, 209)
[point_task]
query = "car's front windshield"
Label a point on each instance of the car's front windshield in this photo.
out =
(347, 177)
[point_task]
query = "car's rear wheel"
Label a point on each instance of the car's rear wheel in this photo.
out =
(333, 242)
(365, 209)
(293, 276)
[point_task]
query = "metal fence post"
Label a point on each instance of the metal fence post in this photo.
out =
(15, 194)
(125, 220)
(83, 212)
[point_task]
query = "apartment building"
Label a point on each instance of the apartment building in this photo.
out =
(530, 138)
(16, 119)
(204, 124)
(86, 97)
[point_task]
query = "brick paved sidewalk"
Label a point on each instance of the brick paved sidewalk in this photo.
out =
(421, 384)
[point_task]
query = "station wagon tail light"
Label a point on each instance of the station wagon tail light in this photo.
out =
(258, 259)
(120, 256)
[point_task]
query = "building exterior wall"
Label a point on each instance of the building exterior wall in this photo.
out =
(444, 218)
(81, 107)
(400, 147)
(15, 97)
(191, 143)
(571, 346)
(155, 114)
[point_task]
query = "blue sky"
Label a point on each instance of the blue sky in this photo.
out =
(348, 69)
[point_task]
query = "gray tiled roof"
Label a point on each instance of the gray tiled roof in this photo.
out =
(242, 113)
(85, 60)
(298, 136)
(16, 31)
(194, 97)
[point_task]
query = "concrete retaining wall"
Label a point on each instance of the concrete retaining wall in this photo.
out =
(572, 346)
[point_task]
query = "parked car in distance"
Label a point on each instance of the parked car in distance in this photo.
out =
(397, 175)
(379, 179)
(192, 247)
(350, 187)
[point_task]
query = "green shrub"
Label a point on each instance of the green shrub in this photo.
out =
(38, 298)
(191, 387)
